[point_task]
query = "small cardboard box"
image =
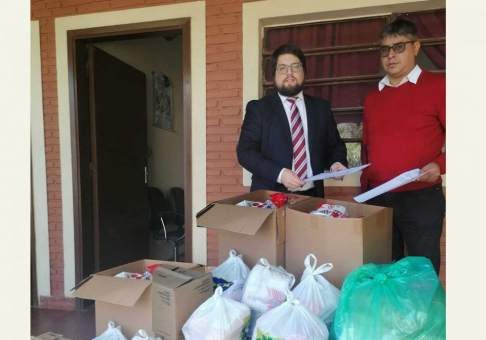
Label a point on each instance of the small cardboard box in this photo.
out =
(126, 302)
(347, 243)
(48, 336)
(253, 232)
(176, 294)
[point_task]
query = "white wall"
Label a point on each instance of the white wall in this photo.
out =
(39, 176)
(165, 148)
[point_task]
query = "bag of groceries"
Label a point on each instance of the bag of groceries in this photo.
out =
(316, 293)
(218, 318)
(265, 289)
(290, 321)
(231, 276)
(112, 333)
(142, 335)
(403, 300)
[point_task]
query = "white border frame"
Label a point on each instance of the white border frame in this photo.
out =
(257, 15)
(196, 12)
(39, 172)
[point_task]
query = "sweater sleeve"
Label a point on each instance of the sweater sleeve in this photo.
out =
(441, 112)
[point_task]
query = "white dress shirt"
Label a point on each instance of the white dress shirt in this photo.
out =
(411, 77)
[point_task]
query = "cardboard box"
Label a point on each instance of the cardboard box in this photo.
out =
(126, 302)
(176, 294)
(253, 232)
(347, 243)
(48, 336)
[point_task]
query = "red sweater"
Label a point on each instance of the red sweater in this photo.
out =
(404, 129)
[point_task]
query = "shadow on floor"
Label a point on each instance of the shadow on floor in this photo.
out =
(74, 325)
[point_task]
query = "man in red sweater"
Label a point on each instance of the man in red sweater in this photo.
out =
(404, 129)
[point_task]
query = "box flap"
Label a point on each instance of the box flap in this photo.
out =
(195, 274)
(242, 220)
(170, 279)
(49, 336)
(119, 291)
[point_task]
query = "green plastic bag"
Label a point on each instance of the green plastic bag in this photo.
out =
(404, 300)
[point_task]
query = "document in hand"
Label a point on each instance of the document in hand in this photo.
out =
(398, 181)
(327, 175)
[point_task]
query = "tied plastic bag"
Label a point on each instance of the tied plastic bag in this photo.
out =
(231, 276)
(316, 293)
(265, 289)
(290, 321)
(218, 318)
(142, 335)
(403, 300)
(112, 333)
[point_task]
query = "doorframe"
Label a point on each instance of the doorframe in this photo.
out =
(191, 18)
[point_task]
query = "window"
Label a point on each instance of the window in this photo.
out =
(343, 65)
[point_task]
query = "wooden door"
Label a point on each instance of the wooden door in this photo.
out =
(118, 119)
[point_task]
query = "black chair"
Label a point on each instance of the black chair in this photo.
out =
(161, 217)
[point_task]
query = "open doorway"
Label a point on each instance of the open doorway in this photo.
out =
(121, 150)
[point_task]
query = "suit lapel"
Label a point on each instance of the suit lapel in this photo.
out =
(311, 110)
(281, 115)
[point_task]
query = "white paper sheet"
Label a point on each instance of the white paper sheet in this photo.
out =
(327, 175)
(398, 181)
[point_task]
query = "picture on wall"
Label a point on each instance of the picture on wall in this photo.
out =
(163, 109)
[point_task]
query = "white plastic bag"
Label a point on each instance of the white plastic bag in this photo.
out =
(218, 318)
(316, 293)
(112, 333)
(231, 276)
(290, 321)
(142, 335)
(265, 289)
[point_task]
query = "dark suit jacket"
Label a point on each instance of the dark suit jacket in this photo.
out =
(265, 145)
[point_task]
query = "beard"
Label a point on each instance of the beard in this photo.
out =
(290, 90)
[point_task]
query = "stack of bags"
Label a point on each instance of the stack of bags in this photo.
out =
(260, 303)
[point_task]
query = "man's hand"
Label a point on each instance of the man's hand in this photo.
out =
(337, 167)
(432, 175)
(290, 180)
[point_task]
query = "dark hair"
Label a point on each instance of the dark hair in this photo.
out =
(399, 27)
(287, 49)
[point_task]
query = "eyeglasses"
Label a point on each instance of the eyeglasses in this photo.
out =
(282, 69)
(397, 48)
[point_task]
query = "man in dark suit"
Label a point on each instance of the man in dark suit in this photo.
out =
(288, 136)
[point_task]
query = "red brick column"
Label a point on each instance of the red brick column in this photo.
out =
(224, 105)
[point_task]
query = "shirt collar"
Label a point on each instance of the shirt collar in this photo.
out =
(300, 95)
(411, 77)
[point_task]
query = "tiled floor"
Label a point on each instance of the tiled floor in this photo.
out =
(72, 324)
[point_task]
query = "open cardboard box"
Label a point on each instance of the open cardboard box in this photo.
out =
(347, 243)
(48, 336)
(253, 232)
(126, 302)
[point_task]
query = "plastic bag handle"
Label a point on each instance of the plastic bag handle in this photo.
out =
(232, 253)
(312, 268)
(264, 262)
(293, 280)
(143, 334)
(111, 324)
(218, 292)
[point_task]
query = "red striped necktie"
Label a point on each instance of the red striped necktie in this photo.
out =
(298, 140)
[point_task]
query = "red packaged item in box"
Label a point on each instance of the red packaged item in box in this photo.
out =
(279, 200)
(330, 210)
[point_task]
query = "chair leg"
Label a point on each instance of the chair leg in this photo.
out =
(176, 253)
